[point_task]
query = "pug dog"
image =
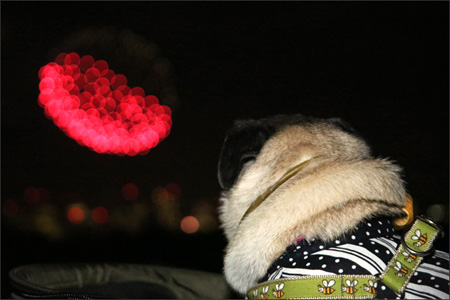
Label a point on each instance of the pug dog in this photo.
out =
(303, 196)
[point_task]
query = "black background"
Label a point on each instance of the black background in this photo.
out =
(381, 66)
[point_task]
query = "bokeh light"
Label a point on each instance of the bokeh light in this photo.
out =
(208, 223)
(174, 189)
(100, 215)
(205, 212)
(31, 195)
(94, 106)
(168, 210)
(46, 221)
(133, 54)
(130, 192)
(189, 224)
(160, 195)
(76, 215)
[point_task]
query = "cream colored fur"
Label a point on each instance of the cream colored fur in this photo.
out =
(327, 198)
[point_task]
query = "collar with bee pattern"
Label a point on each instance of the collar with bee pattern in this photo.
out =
(417, 243)
(371, 267)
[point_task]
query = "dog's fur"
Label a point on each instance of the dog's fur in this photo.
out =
(329, 197)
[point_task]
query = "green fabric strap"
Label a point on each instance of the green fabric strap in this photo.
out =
(317, 287)
(416, 243)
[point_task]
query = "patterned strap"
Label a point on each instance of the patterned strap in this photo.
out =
(416, 243)
(317, 287)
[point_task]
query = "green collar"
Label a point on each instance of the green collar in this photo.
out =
(317, 287)
(417, 242)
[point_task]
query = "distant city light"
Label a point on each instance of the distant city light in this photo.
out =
(130, 191)
(166, 210)
(31, 195)
(205, 212)
(208, 223)
(160, 195)
(47, 222)
(94, 106)
(76, 215)
(189, 224)
(100, 215)
(174, 189)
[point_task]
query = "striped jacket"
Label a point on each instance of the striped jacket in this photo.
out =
(367, 250)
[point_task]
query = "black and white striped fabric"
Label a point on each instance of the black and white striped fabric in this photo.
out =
(367, 250)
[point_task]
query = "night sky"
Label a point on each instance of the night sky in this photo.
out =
(381, 66)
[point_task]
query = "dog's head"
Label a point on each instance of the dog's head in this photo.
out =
(336, 184)
(243, 143)
(256, 153)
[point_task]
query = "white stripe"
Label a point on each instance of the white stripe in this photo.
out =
(362, 263)
(415, 295)
(289, 272)
(433, 270)
(420, 289)
(275, 275)
(372, 257)
(359, 255)
(434, 267)
(441, 254)
(387, 243)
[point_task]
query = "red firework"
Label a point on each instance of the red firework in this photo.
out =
(97, 108)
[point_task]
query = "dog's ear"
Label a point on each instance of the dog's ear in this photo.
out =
(242, 144)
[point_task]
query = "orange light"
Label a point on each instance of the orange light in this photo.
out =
(189, 224)
(75, 215)
(100, 215)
